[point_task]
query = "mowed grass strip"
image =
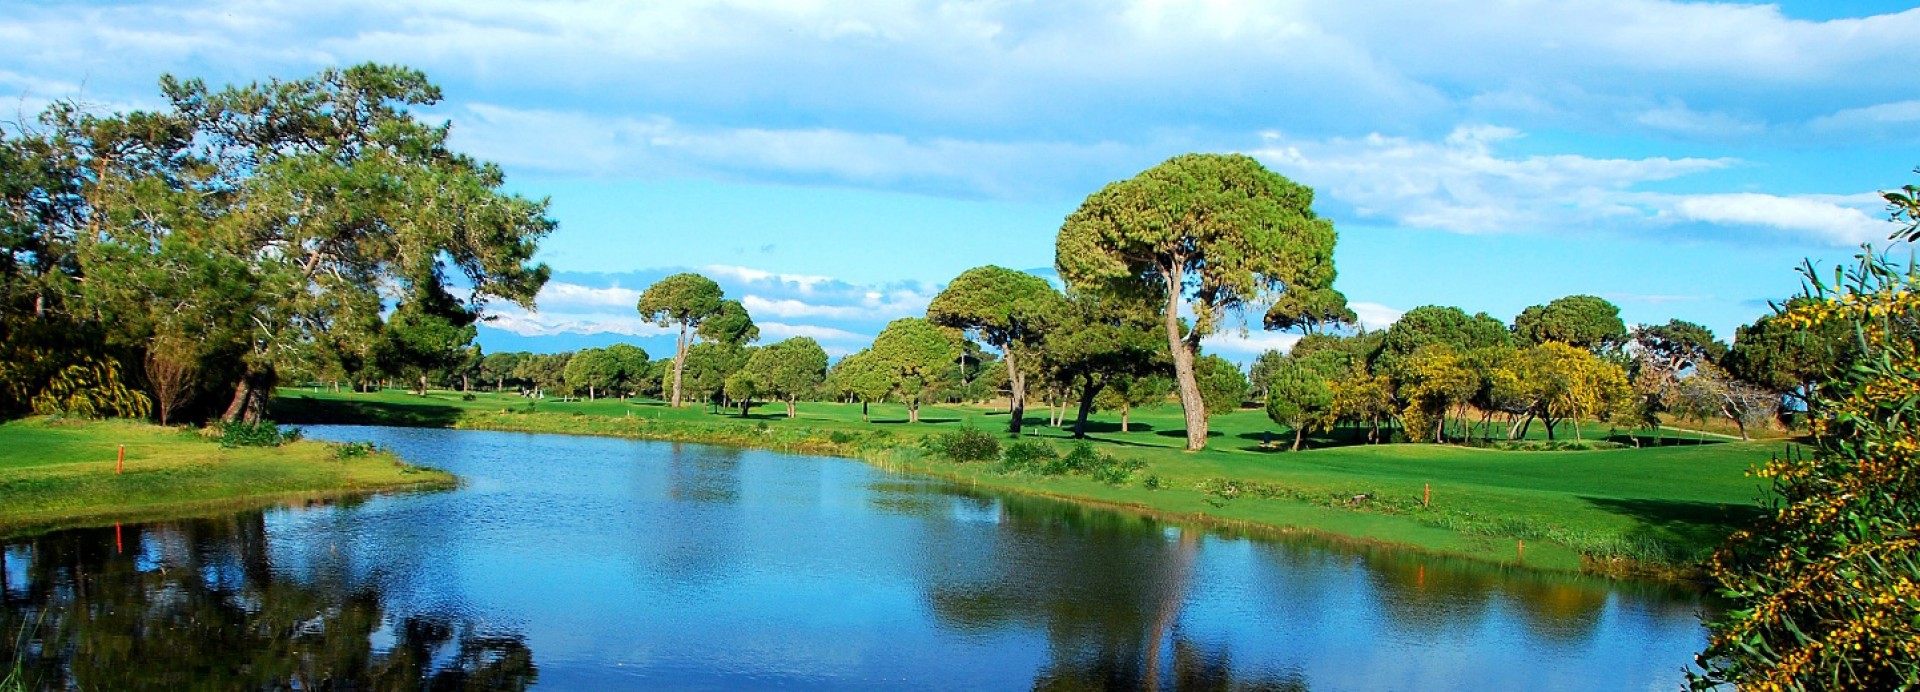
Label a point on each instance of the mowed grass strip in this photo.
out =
(57, 473)
(1659, 507)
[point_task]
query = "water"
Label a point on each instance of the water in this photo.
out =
(593, 563)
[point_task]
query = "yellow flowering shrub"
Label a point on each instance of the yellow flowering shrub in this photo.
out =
(1826, 592)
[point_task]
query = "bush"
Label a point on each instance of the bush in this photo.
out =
(469, 397)
(353, 450)
(967, 444)
(1026, 455)
(1082, 459)
(1154, 482)
(841, 437)
(261, 434)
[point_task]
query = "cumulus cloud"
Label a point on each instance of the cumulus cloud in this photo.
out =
(775, 331)
(1836, 220)
(871, 305)
(839, 314)
(577, 142)
(1462, 184)
(1233, 343)
(1375, 316)
(547, 323)
(560, 294)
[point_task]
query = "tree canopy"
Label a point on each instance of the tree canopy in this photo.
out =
(266, 220)
(1581, 321)
(1207, 232)
(915, 356)
(788, 369)
(685, 300)
(1009, 310)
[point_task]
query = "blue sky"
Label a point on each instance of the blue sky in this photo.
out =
(834, 163)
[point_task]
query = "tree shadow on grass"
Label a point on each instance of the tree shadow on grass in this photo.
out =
(1182, 432)
(1114, 427)
(1697, 525)
(347, 412)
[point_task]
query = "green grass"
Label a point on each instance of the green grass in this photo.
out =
(60, 473)
(1624, 511)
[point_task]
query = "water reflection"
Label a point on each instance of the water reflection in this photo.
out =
(634, 565)
(197, 605)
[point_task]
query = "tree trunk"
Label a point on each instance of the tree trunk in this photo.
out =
(463, 382)
(913, 410)
(423, 384)
(1087, 393)
(1125, 412)
(863, 412)
(791, 412)
(1017, 397)
(1191, 404)
(250, 398)
(1298, 433)
(679, 362)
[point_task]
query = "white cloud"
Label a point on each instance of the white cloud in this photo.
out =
(1375, 316)
(870, 305)
(1677, 118)
(579, 142)
(1835, 220)
(1901, 114)
(562, 294)
(1251, 343)
(1462, 184)
(776, 331)
(804, 282)
(552, 323)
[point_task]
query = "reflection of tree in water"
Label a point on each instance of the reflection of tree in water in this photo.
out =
(196, 605)
(1105, 587)
(704, 473)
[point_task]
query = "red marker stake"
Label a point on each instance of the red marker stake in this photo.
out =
(118, 545)
(121, 465)
(1426, 495)
(1523, 550)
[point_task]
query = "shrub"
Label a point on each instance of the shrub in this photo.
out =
(261, 434)
(353, 450)
(1026, 455)
(967, 444)
(1082, 459)
(469, 397)
(1154, 482)
(841, 437)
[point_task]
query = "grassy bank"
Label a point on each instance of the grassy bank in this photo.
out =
(1621, 510)
(58, 473)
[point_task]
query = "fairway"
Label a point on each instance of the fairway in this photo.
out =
(1617, 510)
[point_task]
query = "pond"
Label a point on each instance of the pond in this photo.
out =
(595, 563)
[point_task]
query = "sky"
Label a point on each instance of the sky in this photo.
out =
(834, 164)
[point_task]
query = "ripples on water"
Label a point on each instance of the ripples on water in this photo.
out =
(589, 563)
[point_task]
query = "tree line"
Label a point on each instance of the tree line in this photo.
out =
(182, 261)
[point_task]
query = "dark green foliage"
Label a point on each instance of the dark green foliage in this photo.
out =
(1207, 233)
(1581, 321)
(1010, 310)
(1780, 358)
(1222, 386)
(1027, 455)
(966, 444)
(354, 450)
(1433, 324)
(239, 433)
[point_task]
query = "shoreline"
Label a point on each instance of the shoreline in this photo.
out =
(1361, 526)
(61, 474)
